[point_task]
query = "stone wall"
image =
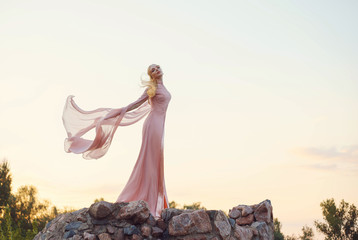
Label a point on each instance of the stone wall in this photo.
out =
(108, 221)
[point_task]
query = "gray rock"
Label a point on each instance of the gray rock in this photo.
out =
(73, 226)
(101, 209)
(69, 234)
(131, 230)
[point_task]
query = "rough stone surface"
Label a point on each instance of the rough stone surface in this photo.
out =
(146, 230)
(245, 220)
(192, 222)
(137, 211)
(222, 225)
(263, 212)
(264, 231)
(104, 236)
(234, 213)
(89, 236)
(243, 232)
(101, 209)
(133, 221)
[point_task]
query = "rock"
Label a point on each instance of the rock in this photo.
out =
(157, 232)
(245, 210)
(263, 213)
(119, 235)
(222, 225)
(84, 226)
(232, 222)
(101, 209)
(137, 211)
(104, 236)
(264, 232)
(234, 213)
(128, 221)
(151, 220)
(73, 226)
(146, 230)
(131, 230)
(162, 224)
(100, 222)
(69, 234)
(136, 237)
(245, 220)
(168, 213)
(191, 222)
(89, 236)
(243, 232)
(99, 229)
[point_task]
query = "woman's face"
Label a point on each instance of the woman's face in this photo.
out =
(155, 71)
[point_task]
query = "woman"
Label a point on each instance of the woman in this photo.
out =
(147, 179)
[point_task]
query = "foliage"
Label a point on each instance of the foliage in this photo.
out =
(23, 215)
(339, 222)
(98, 200)
(194, 206)
(173, 204)
(277, 230)
(5, 184)
(307, 233)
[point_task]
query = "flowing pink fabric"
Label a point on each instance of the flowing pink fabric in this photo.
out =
(147, 179)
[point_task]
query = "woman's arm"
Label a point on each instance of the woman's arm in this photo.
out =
(130, 107)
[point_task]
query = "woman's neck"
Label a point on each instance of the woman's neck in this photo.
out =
(159, 81)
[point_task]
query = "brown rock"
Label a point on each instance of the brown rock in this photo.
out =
(157, 232)
(77, 237)
(161, 224)
(119, 234)
(222, 225)
(245, 220)
(243, 233)
(234, 213)
(101, 209)
(110, 229)
(263, 212)
(136, 237)
(89, 236)
(245, 210)
(194, 237)
(146, 230)
(190, 222)
(138, 211)
(104, 236)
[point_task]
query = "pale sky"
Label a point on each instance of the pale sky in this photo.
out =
(264, 98)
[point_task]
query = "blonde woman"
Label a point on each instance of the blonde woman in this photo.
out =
(147, 179)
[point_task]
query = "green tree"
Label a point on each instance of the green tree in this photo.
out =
(277, 229)
(173, 204)
(307, 233)
(194, 206)
(340, 223)
(98, 200)
(5, 184)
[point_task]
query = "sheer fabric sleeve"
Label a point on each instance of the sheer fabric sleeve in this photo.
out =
(78, 122)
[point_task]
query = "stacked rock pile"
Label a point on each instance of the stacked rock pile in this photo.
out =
(125, 221)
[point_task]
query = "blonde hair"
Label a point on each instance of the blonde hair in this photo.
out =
(151, 84)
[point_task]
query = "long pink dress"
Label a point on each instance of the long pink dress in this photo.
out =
(147, 179)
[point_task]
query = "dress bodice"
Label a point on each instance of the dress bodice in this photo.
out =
(161, 99)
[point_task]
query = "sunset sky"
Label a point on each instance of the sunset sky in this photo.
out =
(264, 98)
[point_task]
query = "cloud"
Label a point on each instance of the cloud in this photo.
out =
(330, 158)
(345, 153)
